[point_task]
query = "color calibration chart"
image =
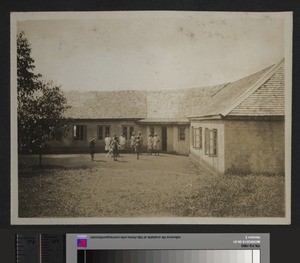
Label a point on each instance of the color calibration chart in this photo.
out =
(167, 248)
(169, 256)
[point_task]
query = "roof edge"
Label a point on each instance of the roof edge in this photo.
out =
(253, 88)
(239, 117)
(210, 117)
(254, 117)
(164, 121)
(105, 119)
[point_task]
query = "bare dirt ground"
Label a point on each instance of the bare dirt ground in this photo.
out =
(165, 185)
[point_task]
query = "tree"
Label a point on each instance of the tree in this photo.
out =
(41, 104)
(27, 79)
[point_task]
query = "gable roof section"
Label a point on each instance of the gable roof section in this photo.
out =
(127, 104)
(265, 99)
(260, 94)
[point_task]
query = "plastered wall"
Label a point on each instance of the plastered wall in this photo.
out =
(254, 146)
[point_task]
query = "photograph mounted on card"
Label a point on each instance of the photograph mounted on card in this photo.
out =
(151, 117)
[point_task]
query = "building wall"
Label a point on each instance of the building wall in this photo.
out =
(216, 163)
(68, 143)
(254, 146)
(244, 146)
(174, 145)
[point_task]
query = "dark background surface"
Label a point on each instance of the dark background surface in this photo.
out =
(284, 243)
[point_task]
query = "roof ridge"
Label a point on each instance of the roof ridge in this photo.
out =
(253, 88)
(223, 86)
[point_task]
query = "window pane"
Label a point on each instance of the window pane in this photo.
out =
(79, 132)
(82, 132)
(206, 141)
(195, 137)
(213, 142)
(182, 133)
(200, 138)
(192, 135)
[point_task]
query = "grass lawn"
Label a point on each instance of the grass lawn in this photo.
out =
(168, 185)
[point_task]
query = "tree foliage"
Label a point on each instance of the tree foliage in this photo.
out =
(41, 104)
(27, 79)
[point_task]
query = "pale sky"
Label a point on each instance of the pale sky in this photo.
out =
(152, 50)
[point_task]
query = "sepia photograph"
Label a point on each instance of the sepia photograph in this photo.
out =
(151, 117)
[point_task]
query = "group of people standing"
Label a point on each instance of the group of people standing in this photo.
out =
(153, 144)
(116, 146)
(136, 143)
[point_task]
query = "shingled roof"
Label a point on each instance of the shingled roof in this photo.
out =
(173, 105)
(260, 94)
(179, 103)
(129, 104)
(263, 100)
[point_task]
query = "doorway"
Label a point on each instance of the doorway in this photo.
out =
(164, 139)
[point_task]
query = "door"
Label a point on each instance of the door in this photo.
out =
(164, 139)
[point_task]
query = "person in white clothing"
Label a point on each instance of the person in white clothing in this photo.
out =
(150, 144)
(107, 142)
(122, 143)
(132, 143)
(156, 141)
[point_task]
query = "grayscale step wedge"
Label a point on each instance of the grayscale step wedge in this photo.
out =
(40, 248)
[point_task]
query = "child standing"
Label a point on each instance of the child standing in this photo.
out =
(156, 141)
(114, 146)
(138, 146)
(122, 142)
(150, 144)
(132, 143)
(92, 148)
(107, 141)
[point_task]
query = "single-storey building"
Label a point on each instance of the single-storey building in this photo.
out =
(233, 127)
(96, 114)
(241, 127)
